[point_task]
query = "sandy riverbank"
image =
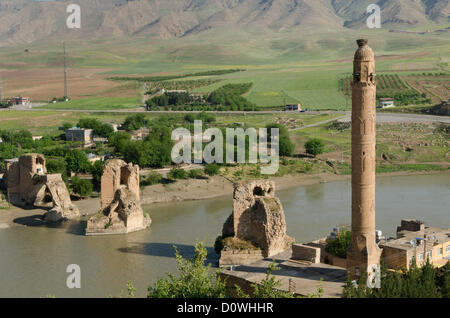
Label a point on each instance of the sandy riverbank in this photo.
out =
(183, 190)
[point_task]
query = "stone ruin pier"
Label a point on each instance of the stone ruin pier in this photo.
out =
(257, 227)
(29, 185)
(121, 210)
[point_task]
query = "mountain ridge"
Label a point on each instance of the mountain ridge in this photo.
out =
(28, 21)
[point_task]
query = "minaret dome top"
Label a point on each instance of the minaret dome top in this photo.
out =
(364, 52)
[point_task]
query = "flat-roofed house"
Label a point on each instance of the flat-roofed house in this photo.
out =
(77, 134)
(293, 108)
(416, 243)
(386, 102)
(21, 101)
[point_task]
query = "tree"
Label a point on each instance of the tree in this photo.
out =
(413, 283)
(287, 148)
(77, 161)
(314, 146)
(340, 244)
(135, 122)
(120, 141)
(66, 126)
(58, 165)
(194, 279)
(97, 172)
(82, 187)
(100, 129)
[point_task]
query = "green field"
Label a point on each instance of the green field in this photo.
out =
(284, 67)
(97, 104)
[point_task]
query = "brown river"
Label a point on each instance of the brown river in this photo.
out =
(33, 260)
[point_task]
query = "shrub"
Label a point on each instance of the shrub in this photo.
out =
(212, 169)
(194, 279)
(339, 246)
(286, 146)
(314, 147)
(195, 174)
(82, 187)
(177, 173)
(152, 179)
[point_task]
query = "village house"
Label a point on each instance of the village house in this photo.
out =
(386, 103)
(21, 101)
(416, 243)
(140, 134)
(77, 134)
(94, 158)
(293, 108)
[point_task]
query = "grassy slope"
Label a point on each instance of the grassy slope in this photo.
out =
(283, 66)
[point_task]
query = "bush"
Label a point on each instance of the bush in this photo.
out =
(425, 282)
(135, 122)
(339, 246)
(97, 172)
(82, 187)
(152, 179)
(177, 173)
(212, 169)
(314, 147)
(194, 279)
(77, 161)
(195, 174)
(286, 146)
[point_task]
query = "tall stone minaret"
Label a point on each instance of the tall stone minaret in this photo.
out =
(363, 254)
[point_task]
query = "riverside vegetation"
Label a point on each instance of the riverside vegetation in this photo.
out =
(315, 150)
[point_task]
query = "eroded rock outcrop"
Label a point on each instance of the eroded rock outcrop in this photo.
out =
(121, 210)
(28, 184)
(258, 218)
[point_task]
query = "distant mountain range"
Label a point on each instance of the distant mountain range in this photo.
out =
(27, 21)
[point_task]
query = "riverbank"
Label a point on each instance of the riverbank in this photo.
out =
(186, 190)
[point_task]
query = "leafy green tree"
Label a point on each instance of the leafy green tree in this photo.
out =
(340, 244)
(77, 161)
(100, 129)
(135, 122)
(413, 283)
(58, 165)
(314, 146)
(194, 279)
(120, 141)
(97, 172)
(287, 148)
(66, 126)
(82, 187)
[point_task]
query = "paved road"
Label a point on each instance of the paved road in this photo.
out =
(404, 118)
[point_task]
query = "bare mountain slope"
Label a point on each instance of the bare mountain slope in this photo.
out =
(27, 21)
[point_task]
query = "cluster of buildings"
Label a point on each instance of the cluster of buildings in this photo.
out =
(417, 243)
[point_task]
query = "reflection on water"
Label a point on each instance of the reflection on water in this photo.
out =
(34, 259)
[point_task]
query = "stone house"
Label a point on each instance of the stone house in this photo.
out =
(416, 242)
(76, 134)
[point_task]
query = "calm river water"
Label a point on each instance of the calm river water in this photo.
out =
(33, 260)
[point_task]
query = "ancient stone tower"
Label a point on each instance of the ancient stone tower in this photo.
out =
(363, 254)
